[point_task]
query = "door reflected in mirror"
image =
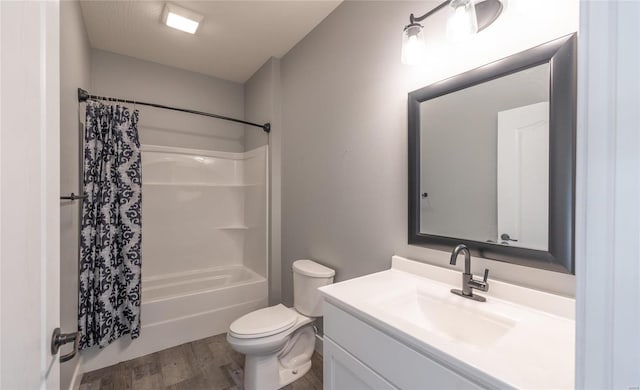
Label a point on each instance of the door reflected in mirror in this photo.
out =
(523, 176)
(484, 161)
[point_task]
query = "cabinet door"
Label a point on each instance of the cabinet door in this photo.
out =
(343, 371)
(396, 362)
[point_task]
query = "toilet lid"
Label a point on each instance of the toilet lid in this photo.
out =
(264, 322)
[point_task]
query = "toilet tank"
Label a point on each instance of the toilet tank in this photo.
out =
(307, 277)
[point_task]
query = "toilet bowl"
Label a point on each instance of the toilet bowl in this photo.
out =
(278, 352)
(278, 341)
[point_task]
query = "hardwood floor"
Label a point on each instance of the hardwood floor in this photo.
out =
(209, 364)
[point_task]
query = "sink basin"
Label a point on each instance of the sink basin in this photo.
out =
(450, 316)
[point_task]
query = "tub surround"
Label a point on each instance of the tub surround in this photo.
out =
(519, 338)
(205, 208)
(204, 247)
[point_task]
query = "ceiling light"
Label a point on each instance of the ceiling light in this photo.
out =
(181, 18)
(466, 18)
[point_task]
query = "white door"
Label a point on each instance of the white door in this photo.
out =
(523, 176)
(29, 193)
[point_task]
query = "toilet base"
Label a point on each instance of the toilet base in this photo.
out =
(265, 373)
(288, 375)
(277, 369)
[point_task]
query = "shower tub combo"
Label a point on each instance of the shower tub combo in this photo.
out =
(204, 247)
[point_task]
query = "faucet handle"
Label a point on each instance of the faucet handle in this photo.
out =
(480, 285)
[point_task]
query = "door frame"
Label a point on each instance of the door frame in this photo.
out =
(608, 211)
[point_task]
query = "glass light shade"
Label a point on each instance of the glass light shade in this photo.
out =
(462, 22)
(414, 48)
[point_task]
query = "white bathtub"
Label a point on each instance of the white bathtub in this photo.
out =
(180, 308)
(168, 287)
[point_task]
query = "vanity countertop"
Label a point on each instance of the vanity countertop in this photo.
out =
(519, 337)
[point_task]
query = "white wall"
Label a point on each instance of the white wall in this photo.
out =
(344, 135)
(75, 64)
(129, 78)
(262, 93)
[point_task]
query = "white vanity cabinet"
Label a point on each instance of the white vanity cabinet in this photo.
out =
(360, 356)
(403, 329)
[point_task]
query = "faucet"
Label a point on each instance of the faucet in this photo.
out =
(468, 282)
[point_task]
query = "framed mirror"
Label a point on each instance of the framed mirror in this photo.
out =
(492, 159)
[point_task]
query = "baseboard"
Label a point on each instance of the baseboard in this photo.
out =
(319, 341)
(77, 374)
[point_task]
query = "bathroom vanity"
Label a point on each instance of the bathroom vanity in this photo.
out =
(403, 329)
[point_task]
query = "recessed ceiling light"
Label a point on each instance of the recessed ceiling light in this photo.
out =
(181, 18)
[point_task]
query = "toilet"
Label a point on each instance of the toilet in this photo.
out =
(278, 341)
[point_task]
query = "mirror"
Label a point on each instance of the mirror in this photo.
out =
(496, 149)
(492, 159)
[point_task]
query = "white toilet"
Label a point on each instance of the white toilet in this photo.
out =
(278, 341)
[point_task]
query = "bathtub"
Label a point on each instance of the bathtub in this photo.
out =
(184, 307)
(167, 287)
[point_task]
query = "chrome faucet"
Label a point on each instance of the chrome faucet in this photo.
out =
(468, 282)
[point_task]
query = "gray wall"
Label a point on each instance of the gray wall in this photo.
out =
(121, 76)
(258, 103)
(459, 131)
(262, 103)
(344, 135)
(75, 63)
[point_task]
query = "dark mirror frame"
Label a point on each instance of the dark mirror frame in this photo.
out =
(561, 56)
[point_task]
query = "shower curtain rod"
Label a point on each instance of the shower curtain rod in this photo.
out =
(83, 96)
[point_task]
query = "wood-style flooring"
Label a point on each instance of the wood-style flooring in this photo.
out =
(209, 364)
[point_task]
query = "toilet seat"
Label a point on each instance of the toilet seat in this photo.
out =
(264, 322)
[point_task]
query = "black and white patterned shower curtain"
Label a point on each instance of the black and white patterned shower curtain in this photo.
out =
(111, 241)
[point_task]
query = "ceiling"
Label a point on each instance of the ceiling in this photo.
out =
(233, 41)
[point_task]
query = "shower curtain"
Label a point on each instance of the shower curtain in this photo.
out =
(111, 238)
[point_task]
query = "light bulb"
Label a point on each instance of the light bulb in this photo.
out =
(413, 45)
(462, 22)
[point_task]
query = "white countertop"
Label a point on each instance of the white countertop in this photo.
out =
(519, 337)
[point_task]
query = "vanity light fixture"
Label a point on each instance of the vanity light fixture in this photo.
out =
(181, 18)
(465, 18)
